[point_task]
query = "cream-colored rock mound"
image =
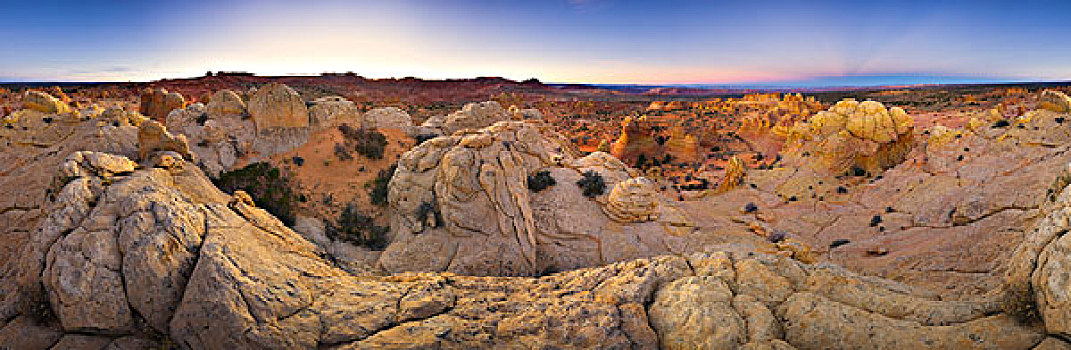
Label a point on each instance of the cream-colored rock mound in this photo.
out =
(1054, 101)
(278, 106)
(633, 200)
(44, 103)
(326, 110)
(473, 116)
(226, 103)
(387, 117)
(157, 103)
(153, 137)
(461, 204)
(852, 135)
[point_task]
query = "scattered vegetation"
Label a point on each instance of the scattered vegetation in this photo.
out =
(540, 181)
(342, 152)
(427, 209)
(367, 142)
(1058, 185)
(592, 184)
(875, 220)
(355, 227)
(269, 187)
(380, 186)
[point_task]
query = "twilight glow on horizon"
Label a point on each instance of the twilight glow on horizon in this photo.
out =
(580, 41)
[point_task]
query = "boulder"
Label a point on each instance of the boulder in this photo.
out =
(1055, 101)
(474, 115)
(226, 104)
(153, 137)
(633, 200)
(387, 117)
(324, 110)
(278, 106)
(852, 135)
(157, 103)
(44, 103)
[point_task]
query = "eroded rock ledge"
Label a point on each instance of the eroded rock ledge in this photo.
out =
(143, 253)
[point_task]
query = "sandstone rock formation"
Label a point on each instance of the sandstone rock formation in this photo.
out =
(633, 200)
(221, 136)
(278, 106)
(153, 137)
(226, 103)
(325, 110)
(682, 146)
(167, 250)
(234, 275)
(852, 134)
(44, 103)
(474, 115)
(734, 176)
(113, 253)
(1054, 101)
(157, 103)
(636, 138)
(461, 204)
(387, 117)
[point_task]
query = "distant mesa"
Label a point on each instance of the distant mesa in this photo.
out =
(229, 74)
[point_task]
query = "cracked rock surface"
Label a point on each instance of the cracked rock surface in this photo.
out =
(120, 255)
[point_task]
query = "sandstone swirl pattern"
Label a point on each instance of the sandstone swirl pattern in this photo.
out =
(121, 250)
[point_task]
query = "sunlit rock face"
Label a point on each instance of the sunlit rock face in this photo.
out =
(852, 135)
(157, 103)
(637, 138)
(461, 204)
(1054, 101)
(278, 106)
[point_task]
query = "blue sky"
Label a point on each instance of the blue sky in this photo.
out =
(594, 41)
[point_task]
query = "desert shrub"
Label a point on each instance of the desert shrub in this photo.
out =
(380, 186)
(355, 227)
(343, 152)
(267, 185)
(540, 181)
(1058, 185)
(592, 184)
(429, 209)
(368, 142)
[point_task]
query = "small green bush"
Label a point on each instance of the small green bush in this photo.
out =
(540, 181)
(267, 185)
(380, 186)
(592, 184)
(368, 142)
(355, 227)
(343, 152)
